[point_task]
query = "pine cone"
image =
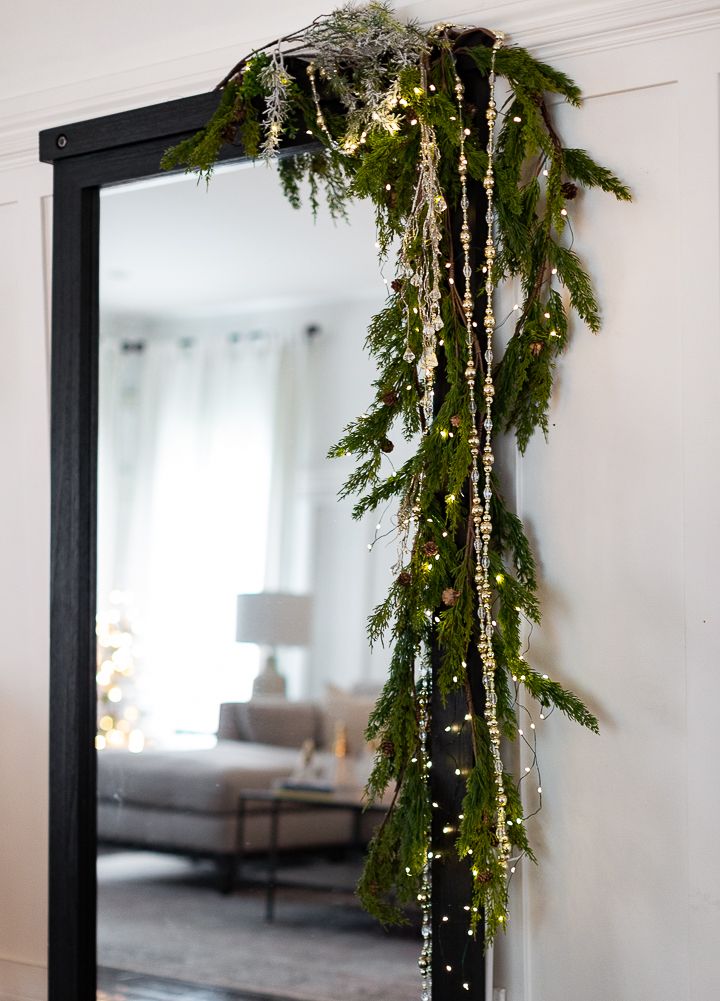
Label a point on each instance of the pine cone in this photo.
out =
(388, 748)
(386, 445)
(484, 877)
(430, 548)
(396, 284)
(450, 596)
(536, 347)
(455, 421)
(390, 398)
(404, 578)
(569, 190)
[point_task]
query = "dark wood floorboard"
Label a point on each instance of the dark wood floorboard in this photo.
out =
(123, 985)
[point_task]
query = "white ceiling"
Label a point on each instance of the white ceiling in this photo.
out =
(171, 247)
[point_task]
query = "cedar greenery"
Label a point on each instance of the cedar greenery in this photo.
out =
(366, 122)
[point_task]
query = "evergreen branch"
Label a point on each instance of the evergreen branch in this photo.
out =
(375, 82)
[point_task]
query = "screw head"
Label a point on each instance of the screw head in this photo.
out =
(61, 141)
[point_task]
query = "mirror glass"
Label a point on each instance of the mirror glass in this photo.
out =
(234, 679)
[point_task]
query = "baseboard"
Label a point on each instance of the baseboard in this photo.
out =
(22, 981)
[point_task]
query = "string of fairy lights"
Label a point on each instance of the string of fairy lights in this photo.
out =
(421, 267)
(425, 275)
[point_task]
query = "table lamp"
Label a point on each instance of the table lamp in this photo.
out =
(273, 619)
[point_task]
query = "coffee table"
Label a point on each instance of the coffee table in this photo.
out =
(275, 803)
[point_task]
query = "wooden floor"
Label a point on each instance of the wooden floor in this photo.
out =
(121, 985)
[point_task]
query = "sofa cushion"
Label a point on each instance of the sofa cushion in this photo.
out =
(279, 722)
(206, 781)
(352, 712)
(231, 722)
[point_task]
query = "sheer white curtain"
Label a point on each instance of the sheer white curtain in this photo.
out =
(195, 441)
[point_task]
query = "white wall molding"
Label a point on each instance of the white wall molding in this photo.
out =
(22, 118)
(22, 981)
(568, 27)
(558, 29)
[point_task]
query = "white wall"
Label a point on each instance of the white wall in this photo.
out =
(621, 501)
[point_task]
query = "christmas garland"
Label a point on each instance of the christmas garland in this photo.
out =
(386, 102)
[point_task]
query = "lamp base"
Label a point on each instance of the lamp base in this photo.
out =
(269, 682)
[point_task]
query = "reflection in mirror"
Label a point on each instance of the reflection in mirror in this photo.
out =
(234, 680)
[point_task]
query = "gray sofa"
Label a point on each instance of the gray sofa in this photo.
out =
(186, 802)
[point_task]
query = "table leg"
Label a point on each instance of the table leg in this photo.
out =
(239, 837)
(272, 861)
(357, 827)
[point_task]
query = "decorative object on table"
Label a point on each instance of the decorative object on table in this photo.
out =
(387, 102)
(311, 772)
(273, 619)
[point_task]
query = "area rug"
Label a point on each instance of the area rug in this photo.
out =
(163, 916)
(124, 985)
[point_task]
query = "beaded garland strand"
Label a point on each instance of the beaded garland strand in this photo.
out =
(385, 104)
(481, 513)
(425, 893)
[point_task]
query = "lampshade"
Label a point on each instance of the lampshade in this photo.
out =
(273, 619)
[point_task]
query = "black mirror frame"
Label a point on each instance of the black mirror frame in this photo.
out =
(86, 157)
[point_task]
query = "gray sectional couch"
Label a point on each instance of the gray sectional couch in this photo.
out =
(186, 802)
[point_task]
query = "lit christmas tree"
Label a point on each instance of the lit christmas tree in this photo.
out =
(119, 717)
